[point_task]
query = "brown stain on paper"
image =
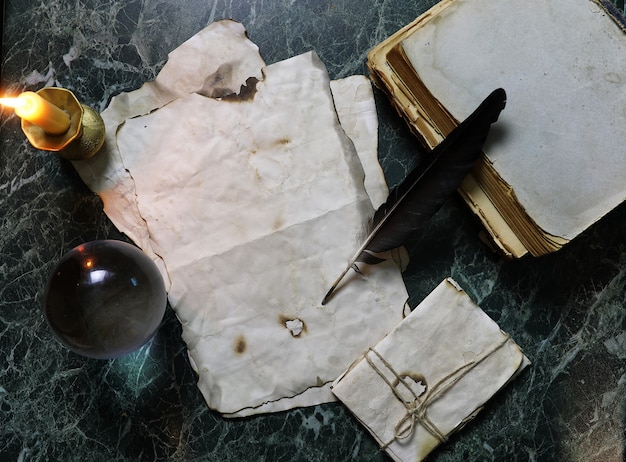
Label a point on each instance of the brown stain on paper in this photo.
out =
(240, 345)
(278, 224)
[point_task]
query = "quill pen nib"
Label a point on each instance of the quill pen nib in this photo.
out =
(330, 293)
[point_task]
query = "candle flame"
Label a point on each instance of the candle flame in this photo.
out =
(24, 105)
(36, 110)
(13, 102)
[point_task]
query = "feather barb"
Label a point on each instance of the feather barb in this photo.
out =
(426, 188)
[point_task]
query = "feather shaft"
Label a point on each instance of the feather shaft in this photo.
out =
(427, 187)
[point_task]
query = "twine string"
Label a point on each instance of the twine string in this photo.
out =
(417, 406)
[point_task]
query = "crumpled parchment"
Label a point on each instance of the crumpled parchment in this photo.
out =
(431, 375)
(251, 205)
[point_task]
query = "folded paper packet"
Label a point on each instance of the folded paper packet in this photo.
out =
(249, 200)
(430, 375)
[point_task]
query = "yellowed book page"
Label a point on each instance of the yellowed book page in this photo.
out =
(502, 236)
(559, 143)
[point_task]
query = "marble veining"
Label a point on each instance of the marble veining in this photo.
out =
(566, 310)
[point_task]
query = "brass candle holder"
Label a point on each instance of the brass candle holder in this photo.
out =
(84, 137)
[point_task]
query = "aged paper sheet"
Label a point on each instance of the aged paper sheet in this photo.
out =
(249, 205)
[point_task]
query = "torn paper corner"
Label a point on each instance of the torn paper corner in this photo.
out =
(218, 61)
(430, 375)
(215, 62)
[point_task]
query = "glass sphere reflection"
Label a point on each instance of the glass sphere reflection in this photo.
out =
(105, 299)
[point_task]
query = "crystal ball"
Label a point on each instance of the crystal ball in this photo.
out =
(105, 299)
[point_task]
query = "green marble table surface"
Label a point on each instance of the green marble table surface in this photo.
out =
(566, 310)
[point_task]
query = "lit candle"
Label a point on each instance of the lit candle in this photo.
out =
(36, 110)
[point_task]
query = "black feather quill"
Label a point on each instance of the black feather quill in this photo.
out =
(412, 203)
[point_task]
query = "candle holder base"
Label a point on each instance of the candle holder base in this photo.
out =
(91, 139)
(82, 140)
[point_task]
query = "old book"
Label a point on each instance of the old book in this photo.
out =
(555, 163)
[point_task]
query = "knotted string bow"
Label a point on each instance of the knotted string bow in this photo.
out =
(417, 406)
